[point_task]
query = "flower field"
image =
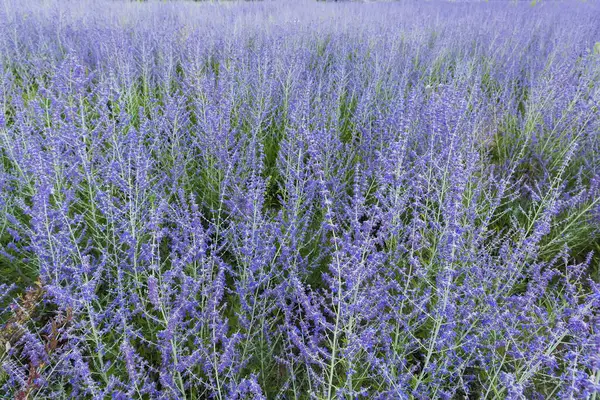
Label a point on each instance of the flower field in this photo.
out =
(308, 200)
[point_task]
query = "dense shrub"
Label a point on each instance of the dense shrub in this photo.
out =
(276, 200)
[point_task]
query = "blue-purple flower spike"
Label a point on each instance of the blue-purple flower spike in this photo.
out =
(280, 200)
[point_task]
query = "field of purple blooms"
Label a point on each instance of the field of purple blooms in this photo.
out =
(299, 200)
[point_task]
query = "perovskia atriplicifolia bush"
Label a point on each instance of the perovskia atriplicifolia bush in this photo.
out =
(392, 200)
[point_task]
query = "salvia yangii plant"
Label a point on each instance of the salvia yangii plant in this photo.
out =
(396, 200)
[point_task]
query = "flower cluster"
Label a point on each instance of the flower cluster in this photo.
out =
(396, 200)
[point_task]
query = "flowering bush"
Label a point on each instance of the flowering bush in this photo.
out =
(390, 200)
